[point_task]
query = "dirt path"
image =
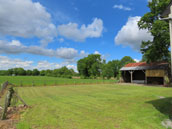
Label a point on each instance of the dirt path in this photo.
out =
(13, 116)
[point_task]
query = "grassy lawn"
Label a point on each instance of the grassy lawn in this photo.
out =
(95, 107)
(50, 81)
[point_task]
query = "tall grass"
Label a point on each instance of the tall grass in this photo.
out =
(49, 81)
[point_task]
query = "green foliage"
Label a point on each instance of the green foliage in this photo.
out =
(125, 60)
(29, 72)
(111, 69)
(3, 73)
(119, 75)
(166, 80)
(158, 49)
(93, 66)
(10, 71)
(63, 72)
(42, 72)
(107, 71)
(90, 66)
(35, 72)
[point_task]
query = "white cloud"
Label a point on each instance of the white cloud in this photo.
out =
(24, 18)
(15, 47)
(15, 43)
(136, 60)
(71, 30)
(96, 52)
(43, 65)
(131, 35)
(61, 40)
(7, 63)
(83, 54)
(122, 7)
(74, 67)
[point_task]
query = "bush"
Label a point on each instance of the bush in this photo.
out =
(166, 81)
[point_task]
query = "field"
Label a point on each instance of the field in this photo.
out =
(95, 107)
(48, 81)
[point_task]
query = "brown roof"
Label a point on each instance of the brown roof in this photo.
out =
(144, 66)
(135, 64)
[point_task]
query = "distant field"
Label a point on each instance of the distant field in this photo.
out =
(95, 107)
(48, 81)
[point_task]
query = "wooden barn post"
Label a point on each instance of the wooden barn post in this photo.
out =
(167, 15)
(131, 72)
(170, 26)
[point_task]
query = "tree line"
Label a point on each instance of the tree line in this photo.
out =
(61, 72)
(93, 66)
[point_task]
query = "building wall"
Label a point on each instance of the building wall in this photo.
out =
(155, 73)
(149, 76)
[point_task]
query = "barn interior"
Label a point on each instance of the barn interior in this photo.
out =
(143, 73)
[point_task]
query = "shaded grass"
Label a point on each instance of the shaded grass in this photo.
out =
(48, 81)
(94, 107)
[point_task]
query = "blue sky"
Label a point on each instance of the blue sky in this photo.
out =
(48, 34)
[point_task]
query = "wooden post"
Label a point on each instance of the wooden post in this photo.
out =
(145, 76)
(131, 72)
(32, 83)
(3, 87)
(44, 83)
(20, 99)
(4, 114)
(8, 98)
(145, 79)
(170, 27)
(7, 102)
(21, 83)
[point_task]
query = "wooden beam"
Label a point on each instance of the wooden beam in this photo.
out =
(20, 98)
(145, 76)
(7, 104)
(131, 72)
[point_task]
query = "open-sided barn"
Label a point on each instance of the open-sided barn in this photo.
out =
(153, 73)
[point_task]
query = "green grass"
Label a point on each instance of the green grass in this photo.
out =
(48, 81)
(95, 107)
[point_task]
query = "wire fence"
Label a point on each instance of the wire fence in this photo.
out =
(60, 83)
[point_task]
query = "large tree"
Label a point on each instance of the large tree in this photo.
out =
(90, 66)
(158, 48)
(125, 60)
(111, 69)
(35, 72)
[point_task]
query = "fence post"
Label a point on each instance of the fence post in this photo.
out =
(33, 83)
(3, 87)
(44, 83)
(21, 83)
(7, 102)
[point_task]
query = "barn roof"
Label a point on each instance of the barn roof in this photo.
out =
(144, 66)
(167, 10)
